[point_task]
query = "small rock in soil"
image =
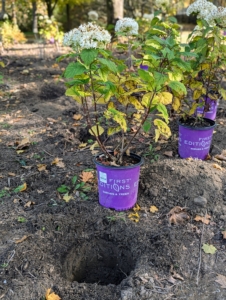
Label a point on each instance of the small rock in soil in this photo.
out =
(200, 201)
(127, 294)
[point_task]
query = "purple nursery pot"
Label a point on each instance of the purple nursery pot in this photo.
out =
(144, 67)
(118, 186)
(195, 141)
(212, 112)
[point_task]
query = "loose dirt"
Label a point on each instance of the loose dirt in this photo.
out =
(79, 249)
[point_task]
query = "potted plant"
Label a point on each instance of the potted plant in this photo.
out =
(207, 52)
(116, 95)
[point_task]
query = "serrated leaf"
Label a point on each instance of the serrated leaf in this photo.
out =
(178, 87)
(74, 179)
(221, 279)
(176, 104)
(134, 217)
(165, 98)
(146, 99)
(109, 64)
(86, 176)
(209, 249)
(147, 125)
(63, 189)
(89, 55)
(73, 69)
(117, 116)
(162, 129)
(96, 130)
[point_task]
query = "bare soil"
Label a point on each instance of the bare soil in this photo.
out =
(79, 249)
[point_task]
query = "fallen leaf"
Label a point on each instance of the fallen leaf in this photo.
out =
(189, 158)
(24, 72)
(94, 145)
(52, 120)
(40, 191)
(221, 279)
(75, 124)
(224, 234)
(23, 144)
(77, 117)
(171, 280)
(158, 148)
(19, 151)
(41, 167)
(134, 217)
(82, 145)
(86, 176)
(175, 274)
(51, 296)
(15, 200)
(209, 249)
(205, 220)
(58, 162)
(221, 156)
(216, 166)
(29, 203)
(178, 215)
(21, 188)
(168, 153)
(22, 239)
(153, 209)
(55, 66)
(67, 198)
(11, 174)
(136, 208)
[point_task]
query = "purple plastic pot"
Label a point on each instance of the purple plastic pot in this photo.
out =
(144, 67)
(195, 141)
(118, 186)
(211, 114)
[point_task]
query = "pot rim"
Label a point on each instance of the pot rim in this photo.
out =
(211, 122)
(141, 161)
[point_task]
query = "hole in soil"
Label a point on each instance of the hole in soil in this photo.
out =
(98, 261)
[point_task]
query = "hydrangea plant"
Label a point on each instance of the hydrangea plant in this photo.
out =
(114, 97)
(207, 50)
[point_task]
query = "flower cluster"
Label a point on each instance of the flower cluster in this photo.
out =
(127, 26)
(148, 17)
(209, 12)
(160, 3)
(87, 36)
(93, 15)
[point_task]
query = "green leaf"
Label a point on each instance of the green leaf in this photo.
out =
(164, 113)
(110, 64)
(88, 55)
(210, 249)
(63, 189)
(147, 126)
(74, 69)
(20, 188)
(113, 130)
(145, 75)
(74, 179)
(178, 87)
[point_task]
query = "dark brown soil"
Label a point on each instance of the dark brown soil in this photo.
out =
(79, 249)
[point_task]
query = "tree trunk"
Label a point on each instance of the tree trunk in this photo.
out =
(14, 17)
(34, 18)
(115, 10)
(3, 7)
(50, 5)
(68, 14)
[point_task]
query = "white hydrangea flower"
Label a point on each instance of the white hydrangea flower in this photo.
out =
(93, 15)
(127, 25)
(87, 36)
(204, 10)
(148, 17)
(160, 3)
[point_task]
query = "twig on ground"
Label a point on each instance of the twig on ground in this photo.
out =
(48, 153)
(200, 252)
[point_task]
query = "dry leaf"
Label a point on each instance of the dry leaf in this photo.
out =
(19, 151)
(11, 174)
(15, 200)
(189, 158)
(77, 117)
(67, 198)
(22, 239)
(216, 166)
(158, 148)
(41, 167)
(153, 209)
(136, 208)
(175, 274)
(224, 234)
(29, 203)
(58, 162)
(205, 220)
(178, 215)
(51, 296)
(23, 144)
(52, 120)
(134, 217)
(221, 279)
(40, 191)
(168, 153)
(82, 145)
(86, 176)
